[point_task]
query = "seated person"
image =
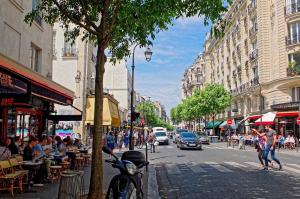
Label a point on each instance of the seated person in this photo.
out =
(10, 144)
(4, 152)
(38, 150)
(29, 155)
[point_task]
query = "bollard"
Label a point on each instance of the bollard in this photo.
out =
(71, 185)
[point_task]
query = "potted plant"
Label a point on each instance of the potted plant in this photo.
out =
(291, 68)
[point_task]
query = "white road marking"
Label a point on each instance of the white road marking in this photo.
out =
(195, 168)
(234, 164)
(294, 165)
(286, 168)
(219, 167)
(172, 169)
(170, 147)
(255, 164)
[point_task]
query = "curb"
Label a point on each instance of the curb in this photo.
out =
(152, 192)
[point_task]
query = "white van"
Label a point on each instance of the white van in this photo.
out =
(161, 135)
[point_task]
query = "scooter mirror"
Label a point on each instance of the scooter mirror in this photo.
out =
(105, 149)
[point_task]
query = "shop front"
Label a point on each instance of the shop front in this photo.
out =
(111, 116)
(26, 100)
(286, 118)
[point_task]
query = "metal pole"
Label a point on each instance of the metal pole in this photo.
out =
(260, 105)
(131, 145)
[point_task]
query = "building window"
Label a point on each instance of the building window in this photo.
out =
(38, 18)
(295, 58)
(294, 32)
(296, 94)
(69, 49)
(292, 6)
(35, 58)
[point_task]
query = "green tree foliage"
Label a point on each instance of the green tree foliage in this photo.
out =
(147, 109)
(114, 26)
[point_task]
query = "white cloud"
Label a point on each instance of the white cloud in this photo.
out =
(184, 21)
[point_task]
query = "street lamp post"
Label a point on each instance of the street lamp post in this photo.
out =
(148, 54)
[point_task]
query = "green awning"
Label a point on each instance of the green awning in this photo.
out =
(211, 125)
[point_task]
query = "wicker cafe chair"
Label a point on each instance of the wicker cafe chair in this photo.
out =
(17, 168)
(8, 178)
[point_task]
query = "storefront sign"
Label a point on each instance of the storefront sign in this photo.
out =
(285, 106)
(7, 101)
(10, 84)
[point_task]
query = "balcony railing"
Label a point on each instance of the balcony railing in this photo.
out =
(254, 54)
(295, 39)
(38, 19)
(292, 72)
(255, 81)
(253, 30)
(70, 52)
(251, 8)
(292, 8)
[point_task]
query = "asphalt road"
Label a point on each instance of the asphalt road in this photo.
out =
(221, 172)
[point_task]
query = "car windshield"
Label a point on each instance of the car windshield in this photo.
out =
(187, 135)
(160, 134)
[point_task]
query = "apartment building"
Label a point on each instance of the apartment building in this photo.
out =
(27, 93)
(117, 82)
(258, 60)
(193, 77)
(73, 67)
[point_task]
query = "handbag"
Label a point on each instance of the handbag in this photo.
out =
(156, 143)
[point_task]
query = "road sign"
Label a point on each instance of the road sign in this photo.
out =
(298, 120)
(229, 121)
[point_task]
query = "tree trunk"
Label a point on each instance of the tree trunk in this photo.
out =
(213, 125)
(96, 180)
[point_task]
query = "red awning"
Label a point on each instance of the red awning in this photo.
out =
(36, 79)
(266, 119)
(253, 117)
(287, 114)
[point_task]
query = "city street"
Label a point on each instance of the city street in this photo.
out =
(221, 172)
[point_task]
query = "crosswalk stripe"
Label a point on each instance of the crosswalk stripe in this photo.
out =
(196, 168)
(172, 169)
(219, 167)
(234, 164)
(253, 164)
(291, 169)
(294, 165)
(170, 147)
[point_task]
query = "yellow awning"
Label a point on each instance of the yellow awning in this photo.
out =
(111, 115)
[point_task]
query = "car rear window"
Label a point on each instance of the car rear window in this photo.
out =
(160, 134)
(187, 135)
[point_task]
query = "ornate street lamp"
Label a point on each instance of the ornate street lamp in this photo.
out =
(148, 54)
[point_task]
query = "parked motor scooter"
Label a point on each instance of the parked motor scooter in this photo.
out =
(127, 184)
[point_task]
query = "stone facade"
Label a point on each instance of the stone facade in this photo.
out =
(28, 45)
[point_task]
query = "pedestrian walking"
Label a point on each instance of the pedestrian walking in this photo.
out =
(110, 142)
(260, 146)
(151, 141)
(120, 140)
(270, 146)
(126, 138)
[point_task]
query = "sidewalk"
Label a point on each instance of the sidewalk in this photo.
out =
(50, 191)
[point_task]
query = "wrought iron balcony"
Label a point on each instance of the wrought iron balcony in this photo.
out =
(70, 52)
(292, 8)
(292, 71)
(253, 30)
(253, 55)
(292, 40)
(255, 81)
(251, 8)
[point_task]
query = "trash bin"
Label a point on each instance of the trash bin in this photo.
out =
(71, 185)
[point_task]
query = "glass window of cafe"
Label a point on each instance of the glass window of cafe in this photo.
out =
(21, 122)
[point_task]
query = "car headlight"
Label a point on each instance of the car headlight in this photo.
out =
(131, 168)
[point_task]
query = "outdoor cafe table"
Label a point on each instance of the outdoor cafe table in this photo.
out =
(32, 167)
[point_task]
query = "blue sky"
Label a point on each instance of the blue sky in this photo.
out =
(173, 51)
